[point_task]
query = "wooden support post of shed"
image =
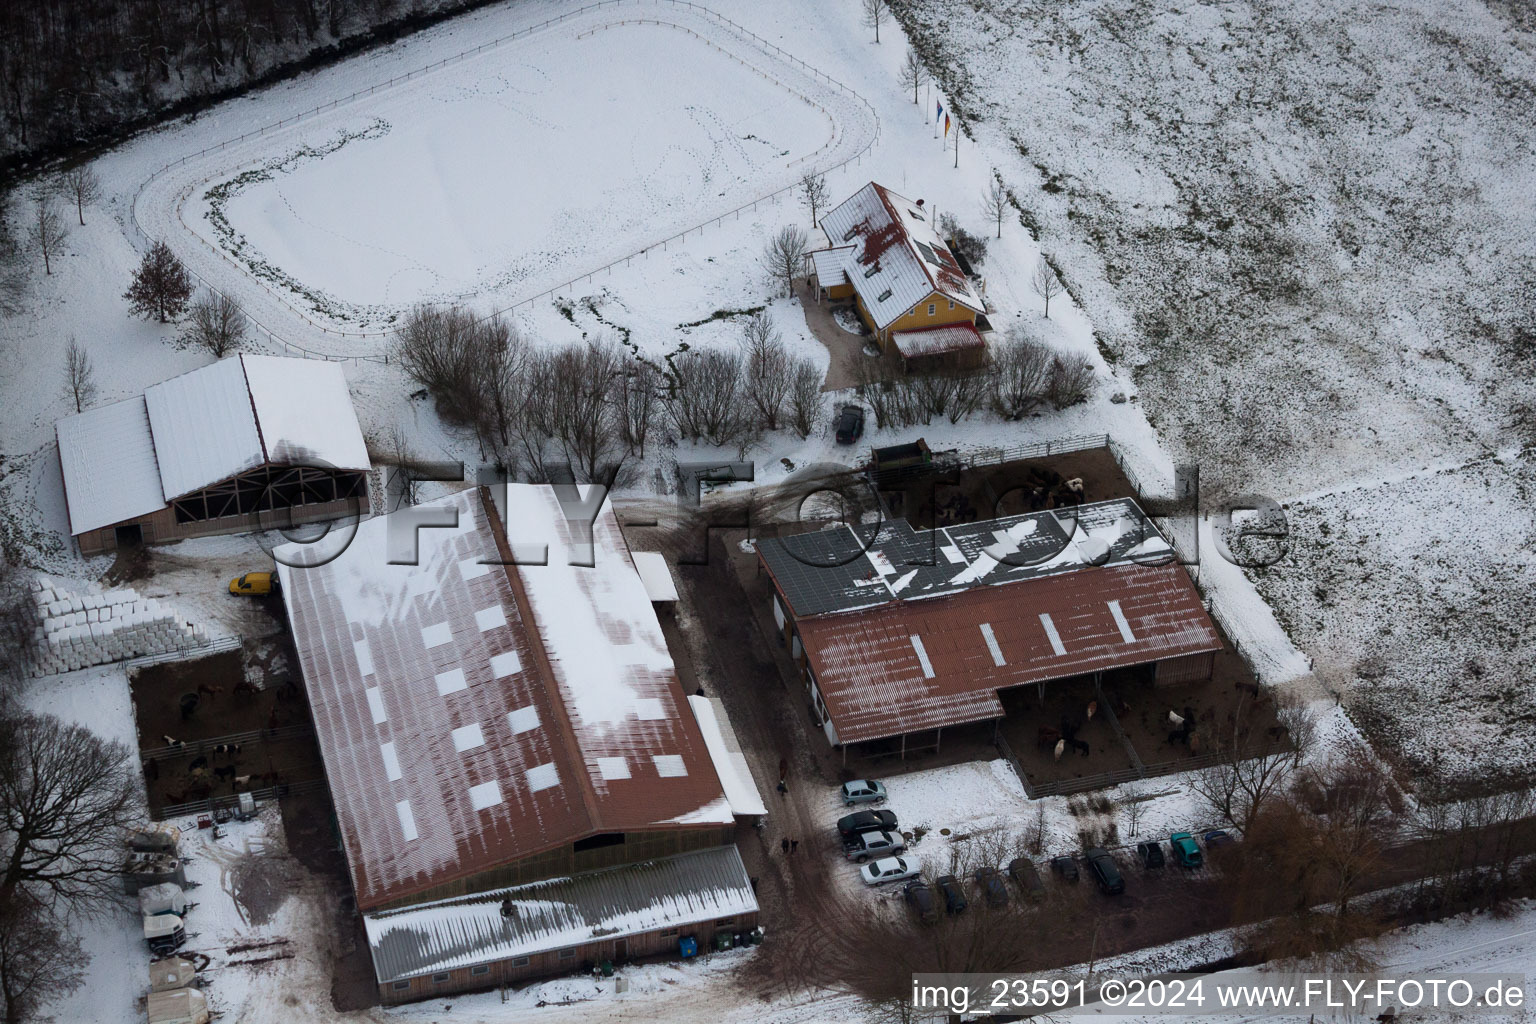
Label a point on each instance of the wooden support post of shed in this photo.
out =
(845, 755)
(903, 746)
(938, 738)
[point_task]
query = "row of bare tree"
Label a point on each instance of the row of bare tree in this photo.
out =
(588, 408)
(67, 798)
(1023, 377)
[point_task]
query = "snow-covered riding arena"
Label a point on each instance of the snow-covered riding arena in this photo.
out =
(494, 174)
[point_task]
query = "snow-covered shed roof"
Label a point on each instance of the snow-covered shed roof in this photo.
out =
(656, 575)
(129, 459)
(929, 341)
(612, 903)
(897, 257)
(725, 751)
(913, 665)
(831, 265)
(108, 458)
(472, 713)
(246, 411)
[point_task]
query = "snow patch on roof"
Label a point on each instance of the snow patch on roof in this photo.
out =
(305, 417)
(204, 428)
(108, 458)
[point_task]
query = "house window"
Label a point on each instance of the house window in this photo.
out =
(669, 932)
(567, 954)
(873, 270)
(480, 969)
(726, 920)
(951, 303)
(440, 978)
(519, 961)
(883, 295)
(401, 986)
(933, 307)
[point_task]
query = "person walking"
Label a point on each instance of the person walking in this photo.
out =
(784, 845)
(794, 844)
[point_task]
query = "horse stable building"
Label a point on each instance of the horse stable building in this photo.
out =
(521, 786)
(885, 253)
(247, 443)
(905, 632)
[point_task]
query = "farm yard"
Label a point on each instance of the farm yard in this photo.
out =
(1301, 231)
(1295, 251)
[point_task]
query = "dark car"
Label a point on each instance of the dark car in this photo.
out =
(954, 896)
(920, 898)
(850, 825)
(1217, 838)
(992, 887)
(850, 424)
(1151, 854)
(1105, 871)
(1024, 875)
(1066, 867)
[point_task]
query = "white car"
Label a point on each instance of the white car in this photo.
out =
(890, 869)
(866, 845)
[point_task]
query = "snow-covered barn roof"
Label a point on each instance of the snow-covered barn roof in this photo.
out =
(246, 411)
(108, 458)
(847, 567)
(472, 713)
(656, 575)
(913, 629)
(914, 665)
(897, 258)
(204, 427)
(612, 903)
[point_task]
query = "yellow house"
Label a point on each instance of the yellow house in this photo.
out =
(883, 250)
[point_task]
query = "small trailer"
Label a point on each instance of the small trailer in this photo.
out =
(178, 1006)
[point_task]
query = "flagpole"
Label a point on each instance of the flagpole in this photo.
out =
(957, 143)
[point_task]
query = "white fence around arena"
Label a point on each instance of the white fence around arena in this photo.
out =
(300, 350)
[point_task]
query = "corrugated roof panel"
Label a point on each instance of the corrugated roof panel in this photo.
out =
(304, 412)
(205, 431)
(108, 458)
(613, 903)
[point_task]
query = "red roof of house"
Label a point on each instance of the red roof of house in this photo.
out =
(911, 665)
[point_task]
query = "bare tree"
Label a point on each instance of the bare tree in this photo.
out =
(1071, 380)
(1253, 768)
(584, 380)
(994, 203)
(806, 408)
(161, 286)
(705, 399)
(404, 464)
(767, 369)
(216, 324)
(1045, 283)
(80, 184)
(79, 375)
(784, 255)
(912, 72)
(40, 959)
(638, 397)
(1022, 375)
(875, 13)
(813, 196)
(18, 616)
(66, 796)
(46, 230)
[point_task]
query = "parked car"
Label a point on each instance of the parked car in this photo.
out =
(1217, 838)
(992, 887)
(863, 791)
(1105, 871)
(954, 896)
(867, 845)
(1186, 852)
(850, 424)
(850, 825)
(253, 584)
(1066, 867)
(890, 869)
(920, 898)
(1151, 854)
(1024, 875)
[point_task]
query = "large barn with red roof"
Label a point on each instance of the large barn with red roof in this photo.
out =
(901, 631)
(520, 783)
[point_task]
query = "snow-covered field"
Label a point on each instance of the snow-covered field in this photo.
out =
(1304, 230)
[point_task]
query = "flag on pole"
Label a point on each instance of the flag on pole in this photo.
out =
(946, 125)
(940, 112)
